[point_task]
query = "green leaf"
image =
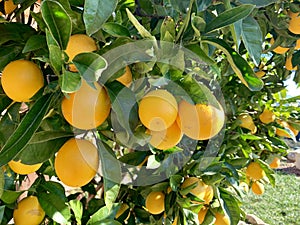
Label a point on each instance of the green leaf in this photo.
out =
(52, 187)
(2, 182)
(2, 210)
(180, 6)
(24, 132)
(77, 209)
(115, 29)
(9, 53)
(111, 191)
(140, 28)
(55, 53)
(252, 38)
(230, 205)
(258, 3)
(228, 17)
(239, 65)
(55, 207)
(167, 28)
(70, 82)
(268, 171)
(202, 4)
(198, 24)
(96, 13)
(10, 197)
(90, 65)
(103, 213)
(250, 137)
(57, 21)
(43, 146)
(195, 48)
(17, 32)
(35, 42)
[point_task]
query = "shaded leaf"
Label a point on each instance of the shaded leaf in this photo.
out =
(70, 82)
(141, 29)
(116, 29)
(2, 182)
(10, 197)
(77, 209)
(111, 191)
(103, 213)
(258, 3)
(35, 42)
(55, 53)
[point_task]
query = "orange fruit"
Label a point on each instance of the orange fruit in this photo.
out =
(278, 49)
(123, 208)
(126, 78)
(257, 188)
(283, 133)
(275, 163)
(158, 110)
(202, 214)
(175, 222)
(76, 162)
(21, 80)
(167, 138)
(267, 116)
(260, 73)
(28, 211)
(294, 23)
(21, 168)
(288, 64)
(297, 46)
(221, 219)
(254, 171)
(86, 108)
(79, 43)
(200, 121)
(202, 190)
(9, 7)
(246, 121)
(155, 202)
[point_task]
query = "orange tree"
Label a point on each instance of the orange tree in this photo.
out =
(209, 77)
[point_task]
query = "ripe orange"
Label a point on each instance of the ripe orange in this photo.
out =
(158, 110)
(257, 188)
(9, 7)
(202, 190)
(221, 219)
(202, 214)
(167, 138)
(275, 163)
(76, 162)
(282, 132)
(260, 73)
(294, 24)
(246, 121)
(21, 80)
(279, 49)
(288, 64)
(23, 169)
(254, 171)
(267, 116)
(155, 202)
(175, 222)
(86, 108)
(297, 46)
(200, 121)
(79, 43)
(126, 78)
(28, 211)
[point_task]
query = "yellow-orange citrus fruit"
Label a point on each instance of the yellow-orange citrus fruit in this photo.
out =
(158, 110)
(294, 23)
(254, 171)
(260, 73)
(202, 214)
(257, 188)
(28, 211)
(267, 116)
(275, 163)
(167, 138)
(221, 219)
(21, 168)
(175, 222)
(297, 46)
(9, 7)
(86, 108)
(244, 186)
(79, 43)
(288, 64)
(155, 202)
(283, 133)
(200, 121)
(294, 130)
(279, 49)
(126, 78)
(202, 190)
(21, 80)
(123, 208)
(246, 121)
(76, 162)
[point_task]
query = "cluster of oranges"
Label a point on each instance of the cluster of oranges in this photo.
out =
(155, 200)
(255, 173)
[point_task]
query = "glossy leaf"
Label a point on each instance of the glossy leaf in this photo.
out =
(77, 209)
(258, 3)
(26, 129)
(35, 42)
(229, 16)
(57, 21)
(16, 32)
(70, 82)
(111, 191)
(96, 13)
(252, 38)
(141, 29)
(55, 53)
(238, 64)
(116, 29)
(9, 196)
(90, 65)
(103, 213)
